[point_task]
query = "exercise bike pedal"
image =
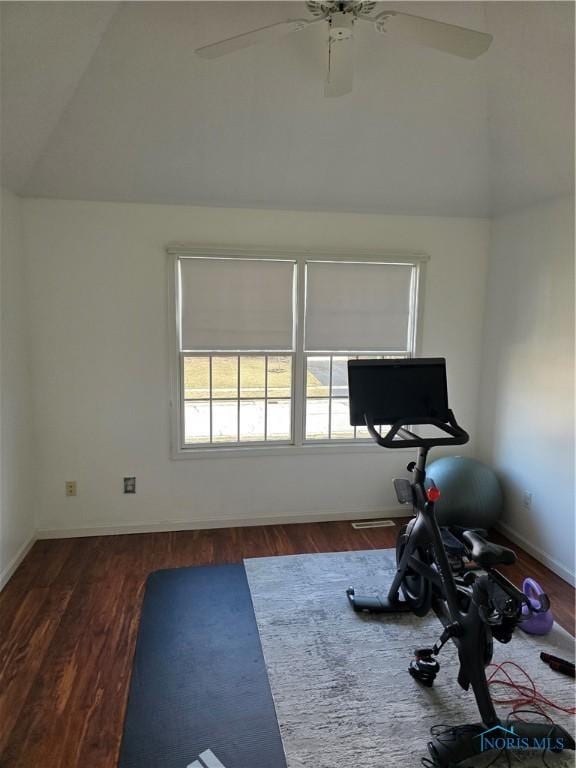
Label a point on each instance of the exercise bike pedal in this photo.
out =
(424, 666)
(374, 603)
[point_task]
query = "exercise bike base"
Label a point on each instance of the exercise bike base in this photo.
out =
(375, 603)
(463, 742)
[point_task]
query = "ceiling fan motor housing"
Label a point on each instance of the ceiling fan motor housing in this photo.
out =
(326, 8)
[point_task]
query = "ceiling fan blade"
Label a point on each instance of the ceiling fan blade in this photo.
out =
(340, 66)
(450, 38)
(256, 36)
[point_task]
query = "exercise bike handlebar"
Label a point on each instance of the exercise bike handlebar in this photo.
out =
(408, 439)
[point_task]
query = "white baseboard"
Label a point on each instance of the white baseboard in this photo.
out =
(191, 525)
(7, 572)
(313, 517)
(549, 561)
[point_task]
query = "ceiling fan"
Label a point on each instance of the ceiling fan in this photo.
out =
(341, 17)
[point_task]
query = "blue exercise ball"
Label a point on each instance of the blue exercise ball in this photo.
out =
(470, 492)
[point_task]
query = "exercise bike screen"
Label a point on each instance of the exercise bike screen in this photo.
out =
(390, 390)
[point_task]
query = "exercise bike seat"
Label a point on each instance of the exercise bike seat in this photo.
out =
(485, 553)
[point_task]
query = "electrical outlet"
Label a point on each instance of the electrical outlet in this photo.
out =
(70, 487)
(527, 500)
(129, 485)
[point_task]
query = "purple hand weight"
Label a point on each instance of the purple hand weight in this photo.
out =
(537, 623)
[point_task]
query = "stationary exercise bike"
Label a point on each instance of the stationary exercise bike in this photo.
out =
(473, 607)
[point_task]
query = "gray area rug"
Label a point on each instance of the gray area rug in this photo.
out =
(343, 696)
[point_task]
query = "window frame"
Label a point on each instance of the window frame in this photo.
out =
(299, 445)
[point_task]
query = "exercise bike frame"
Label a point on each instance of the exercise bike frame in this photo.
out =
(473, 609)
(456, 603)
(469, 631)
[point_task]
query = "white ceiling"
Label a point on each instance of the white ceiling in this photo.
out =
(46, 47)
(107, 101)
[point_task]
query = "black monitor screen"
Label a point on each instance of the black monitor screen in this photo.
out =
(389, 390)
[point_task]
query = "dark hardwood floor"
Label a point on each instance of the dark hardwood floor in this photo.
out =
(69, 617)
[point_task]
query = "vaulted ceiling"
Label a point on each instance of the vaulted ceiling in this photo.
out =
(107, 101)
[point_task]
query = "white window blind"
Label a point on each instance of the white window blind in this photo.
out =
(236, 304)
(358, 306)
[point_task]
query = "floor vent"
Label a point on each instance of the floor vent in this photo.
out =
(373, 524)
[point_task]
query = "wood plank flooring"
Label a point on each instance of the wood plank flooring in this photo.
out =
(69, 618)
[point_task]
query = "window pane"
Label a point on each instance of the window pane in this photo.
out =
(196, 422)
(317, 418)
(252, 419)
(278, 419)
(225, 421)
(196, 378)
(340, 376)
(252, 377)
(224, 377)
(317, 376)
(340, 425)
(279, 377)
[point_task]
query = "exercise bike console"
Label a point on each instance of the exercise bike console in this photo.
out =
(403, 394)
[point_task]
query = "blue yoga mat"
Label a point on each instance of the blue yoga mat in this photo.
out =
(199, 695)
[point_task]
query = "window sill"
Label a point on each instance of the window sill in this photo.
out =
(184, 454)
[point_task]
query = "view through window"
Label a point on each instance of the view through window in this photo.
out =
(237, 398)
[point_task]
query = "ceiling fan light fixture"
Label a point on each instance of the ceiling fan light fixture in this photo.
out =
(341, 26)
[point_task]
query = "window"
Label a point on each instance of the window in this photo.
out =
(236, 331)
(352, 308)
(263, 343)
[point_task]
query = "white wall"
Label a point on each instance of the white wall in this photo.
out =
(527, 407)
(530, 74)
(98, 305)
(17, 525)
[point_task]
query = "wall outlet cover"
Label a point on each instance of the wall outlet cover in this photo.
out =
(71, 488)
(129, 485)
